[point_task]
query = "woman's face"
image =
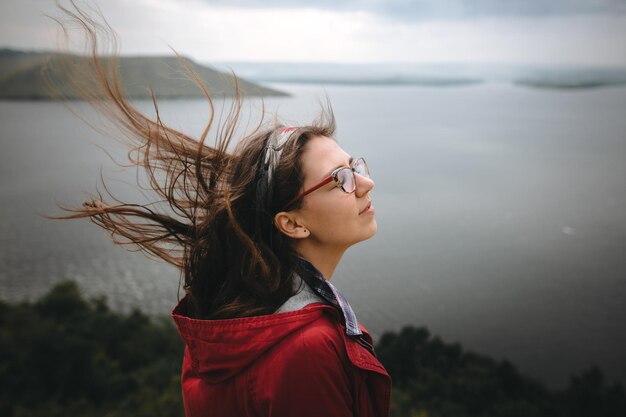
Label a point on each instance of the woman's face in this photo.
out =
(334, 218)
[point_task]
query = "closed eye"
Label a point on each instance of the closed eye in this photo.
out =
(350, 161)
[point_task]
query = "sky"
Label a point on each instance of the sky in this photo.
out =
(553, 32)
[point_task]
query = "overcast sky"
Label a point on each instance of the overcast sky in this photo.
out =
(585, 32)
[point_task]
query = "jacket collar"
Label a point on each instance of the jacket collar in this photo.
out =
(220, 349)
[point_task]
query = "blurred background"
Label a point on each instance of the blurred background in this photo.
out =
(495, 133)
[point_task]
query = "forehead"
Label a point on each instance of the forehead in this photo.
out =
(321, 156)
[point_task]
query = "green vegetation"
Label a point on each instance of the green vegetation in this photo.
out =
(67, 356)
(21, 77)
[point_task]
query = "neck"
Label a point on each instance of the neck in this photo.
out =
(324, 260)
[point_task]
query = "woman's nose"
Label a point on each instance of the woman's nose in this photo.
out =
(363, 185)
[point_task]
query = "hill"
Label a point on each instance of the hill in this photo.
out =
(21, 77)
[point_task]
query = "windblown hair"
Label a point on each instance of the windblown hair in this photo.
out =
(234, 261)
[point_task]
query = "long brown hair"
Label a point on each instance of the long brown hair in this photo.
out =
(215, 230)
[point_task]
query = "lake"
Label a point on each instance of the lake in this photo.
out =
(501, 214)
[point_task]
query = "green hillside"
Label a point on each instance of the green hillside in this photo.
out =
(21, 77)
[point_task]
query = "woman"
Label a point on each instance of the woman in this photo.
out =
(305, 354)
(257, 233)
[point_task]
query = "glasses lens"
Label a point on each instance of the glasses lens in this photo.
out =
(345, 177)
(360, 167)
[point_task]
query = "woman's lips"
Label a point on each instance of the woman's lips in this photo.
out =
(367, 208)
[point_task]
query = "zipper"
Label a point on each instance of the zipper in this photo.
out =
(361, 341)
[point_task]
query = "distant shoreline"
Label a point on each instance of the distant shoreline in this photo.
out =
(434, 82)
(429, 74)
(452, 82)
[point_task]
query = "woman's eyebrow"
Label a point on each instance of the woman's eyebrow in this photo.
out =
(341, 165)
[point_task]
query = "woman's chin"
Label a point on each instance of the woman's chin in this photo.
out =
(372, 228)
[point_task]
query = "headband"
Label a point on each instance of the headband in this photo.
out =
(274, 148)
(275, 145)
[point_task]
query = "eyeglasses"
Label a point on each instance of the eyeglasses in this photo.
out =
(344, 178)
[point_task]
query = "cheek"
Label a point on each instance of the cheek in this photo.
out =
(333, 218)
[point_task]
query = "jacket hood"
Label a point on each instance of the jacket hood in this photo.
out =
(220, 349)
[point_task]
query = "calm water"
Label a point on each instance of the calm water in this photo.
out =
(501, 212)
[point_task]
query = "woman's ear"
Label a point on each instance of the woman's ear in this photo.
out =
(287, 222)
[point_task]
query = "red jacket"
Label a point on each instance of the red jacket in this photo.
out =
(298, 363)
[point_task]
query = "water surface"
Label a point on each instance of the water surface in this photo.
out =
(501, 213)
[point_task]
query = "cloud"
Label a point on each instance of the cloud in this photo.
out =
(441, 9)
(267, 32)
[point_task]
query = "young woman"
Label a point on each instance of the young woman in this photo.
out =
(257, 232)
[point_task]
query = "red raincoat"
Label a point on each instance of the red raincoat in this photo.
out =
(298, 363)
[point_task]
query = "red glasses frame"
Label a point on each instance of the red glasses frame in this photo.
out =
(333, 176)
